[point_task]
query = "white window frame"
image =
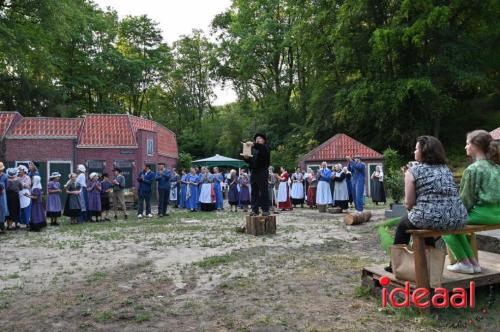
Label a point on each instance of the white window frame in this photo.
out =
(311, 166)
(18, 162)
(152, 147)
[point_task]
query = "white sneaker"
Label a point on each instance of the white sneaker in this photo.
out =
(139, 216)
(460, 268)
(150, 215)
(477, 268)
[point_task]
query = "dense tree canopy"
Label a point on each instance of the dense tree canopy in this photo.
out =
(381, 71)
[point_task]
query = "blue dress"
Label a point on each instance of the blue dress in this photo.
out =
(219, 199)
(200, 180)
(192, 198)
(54, 206)
(3, 197)
(37, 213)
(94, 196)
(3, 207)
(232, 194)
(358, 184)
(244, 182)
(182, 194)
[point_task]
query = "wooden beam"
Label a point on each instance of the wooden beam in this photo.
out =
(466, 230)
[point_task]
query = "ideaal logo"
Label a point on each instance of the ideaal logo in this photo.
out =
(441, 298)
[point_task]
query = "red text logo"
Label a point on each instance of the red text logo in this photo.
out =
(420, 297)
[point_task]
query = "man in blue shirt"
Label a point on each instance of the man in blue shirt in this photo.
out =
(145, 179)
(357, 168)
(163, 179)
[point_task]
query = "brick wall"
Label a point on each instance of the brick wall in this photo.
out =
(142, 137)
(39, 149)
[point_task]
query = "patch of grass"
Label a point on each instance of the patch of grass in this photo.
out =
(384, 233)
(212, 261)
(104, 316)
(14, 275)
(142, 317)
(4, 300)
(361, 292)
(97, 276)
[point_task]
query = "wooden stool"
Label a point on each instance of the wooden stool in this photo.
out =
(260, 225)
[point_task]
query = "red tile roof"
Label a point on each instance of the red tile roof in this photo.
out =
(97, 129)
(46, 128)
(495, 133)
(6, 119)
(140, 123)
(340, 146)
(167, 143)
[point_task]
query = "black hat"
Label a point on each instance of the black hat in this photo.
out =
(116, 169)
(260, 135)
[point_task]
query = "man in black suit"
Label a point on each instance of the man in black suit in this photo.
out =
(259, 164)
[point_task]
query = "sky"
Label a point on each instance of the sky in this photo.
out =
(176, 18)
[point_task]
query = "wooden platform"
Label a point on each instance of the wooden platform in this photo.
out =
(490, 265)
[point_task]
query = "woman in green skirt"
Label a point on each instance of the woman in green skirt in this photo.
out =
(480, 192)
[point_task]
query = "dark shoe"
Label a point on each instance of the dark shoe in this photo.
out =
(266, 214)
(125, 217)
(116, 217)
(388, 268)
(253, 214)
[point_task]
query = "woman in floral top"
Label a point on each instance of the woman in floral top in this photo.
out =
(431, 195)
(480, 192)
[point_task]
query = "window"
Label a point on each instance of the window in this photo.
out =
(149, 147)
(313, 167)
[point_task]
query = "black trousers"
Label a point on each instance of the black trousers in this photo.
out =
(260, 194)
(163, 196)
(402, 237)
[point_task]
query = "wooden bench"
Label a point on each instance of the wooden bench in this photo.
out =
(419, 235)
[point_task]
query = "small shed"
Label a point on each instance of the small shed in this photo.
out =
(335, 150)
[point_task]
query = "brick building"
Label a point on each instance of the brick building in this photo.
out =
(335, 150)
(98, 141)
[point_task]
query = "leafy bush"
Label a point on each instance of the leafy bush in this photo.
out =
(392, 161)
(185, 160)
(395, 186)
(394, 182)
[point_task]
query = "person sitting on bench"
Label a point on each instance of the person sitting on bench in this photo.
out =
(480, 192)
(431, 196)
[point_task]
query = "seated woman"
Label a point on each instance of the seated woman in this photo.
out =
(480, 192)
(431, 196)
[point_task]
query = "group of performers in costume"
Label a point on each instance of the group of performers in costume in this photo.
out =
(338, 186)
